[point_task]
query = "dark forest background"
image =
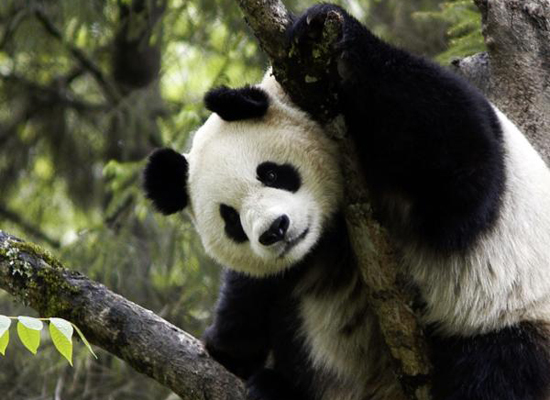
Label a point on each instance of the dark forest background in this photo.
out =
(87, 89)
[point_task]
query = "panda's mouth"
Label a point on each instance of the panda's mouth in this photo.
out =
(289, 245)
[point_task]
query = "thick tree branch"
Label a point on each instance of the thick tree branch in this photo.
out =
(145, 341)
(308, 78)
(268, 20)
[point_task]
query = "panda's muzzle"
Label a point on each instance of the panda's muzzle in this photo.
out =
(276, 231)
(292, 243)
(278, 238)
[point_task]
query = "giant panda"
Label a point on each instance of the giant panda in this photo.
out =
(465, 198)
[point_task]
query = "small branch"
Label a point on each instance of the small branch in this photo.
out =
(7, 132)
(13, 22)
(27, 227)
(60, 95)
(145, 341)
(108, 88)
(308, 80)
(477, 70)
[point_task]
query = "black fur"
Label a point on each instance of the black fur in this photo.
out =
(277, 176)
(270, 385)
(165, 180)
(511, 364)
(425, 137)
(239, 337)
(255, 317)
(233, 227)
(237, 104)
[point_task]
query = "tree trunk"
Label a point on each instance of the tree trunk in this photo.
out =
(515, 75)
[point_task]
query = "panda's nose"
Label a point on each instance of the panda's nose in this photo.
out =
(276, 231)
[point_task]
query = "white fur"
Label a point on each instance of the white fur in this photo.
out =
(357, 361)
(222, 169)
(505, 278)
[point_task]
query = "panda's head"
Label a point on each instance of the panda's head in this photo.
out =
(261, 181)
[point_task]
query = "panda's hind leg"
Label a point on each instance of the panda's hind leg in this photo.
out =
(510, 364)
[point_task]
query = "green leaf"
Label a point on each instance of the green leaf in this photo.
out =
(61, 332)
(30, 337)
(4, 340)
(83, 338)
(31, 323)
(64, 326)
(5, 323)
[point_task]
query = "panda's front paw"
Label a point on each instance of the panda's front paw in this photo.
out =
(308, 28)
(231, 355)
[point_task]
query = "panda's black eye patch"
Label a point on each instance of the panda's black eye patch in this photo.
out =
(279, 176)
(233, 227)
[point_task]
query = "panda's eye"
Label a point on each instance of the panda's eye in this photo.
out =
(279, 176)
(233, 227)
(270, 177)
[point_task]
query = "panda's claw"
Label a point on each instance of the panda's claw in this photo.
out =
(308, 28)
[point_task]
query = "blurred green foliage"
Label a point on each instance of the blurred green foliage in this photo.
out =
(463, 26)
(87, 89)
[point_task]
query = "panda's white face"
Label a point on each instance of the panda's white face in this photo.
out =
(262, 189)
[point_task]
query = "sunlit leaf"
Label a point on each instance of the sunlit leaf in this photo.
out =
(61, 332)
(29, 337)
(64, 326)
(5, 323)
(4, 340)
(31, 323)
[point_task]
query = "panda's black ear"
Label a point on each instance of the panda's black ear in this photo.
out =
(165, 180)
(237, 104)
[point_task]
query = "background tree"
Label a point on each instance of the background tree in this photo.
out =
(77, 117)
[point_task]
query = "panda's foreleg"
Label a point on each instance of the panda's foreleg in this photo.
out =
(429, 143)
(510, 364)
(239, 338)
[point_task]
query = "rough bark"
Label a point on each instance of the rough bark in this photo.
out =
(145, 341)
(308, 79)
(515, 74)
